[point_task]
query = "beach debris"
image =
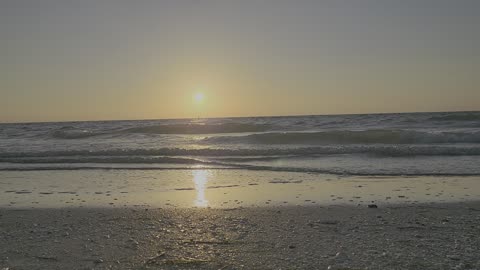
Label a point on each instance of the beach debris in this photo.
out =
(49, 258)
(372, 206)
(461, 266)
(67, 192)
(340, 258)
(23, 192)
(278, 181)
(453, 257)
(134, 243)
(328, 222)
(225, 186)
(186, 261)
(153, 260)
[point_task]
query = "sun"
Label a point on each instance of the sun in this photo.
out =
(198, 97)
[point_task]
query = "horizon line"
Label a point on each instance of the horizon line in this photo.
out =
(224, 117)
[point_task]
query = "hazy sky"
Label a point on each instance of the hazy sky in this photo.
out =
(118, 59)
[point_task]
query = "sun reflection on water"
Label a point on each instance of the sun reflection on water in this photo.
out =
(200, 178)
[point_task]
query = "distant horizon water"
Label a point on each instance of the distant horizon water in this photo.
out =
(229, 117)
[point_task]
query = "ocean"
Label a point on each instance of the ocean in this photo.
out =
(406, 144)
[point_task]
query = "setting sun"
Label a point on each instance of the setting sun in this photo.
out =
(198, 97)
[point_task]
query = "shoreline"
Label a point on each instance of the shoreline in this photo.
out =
(222, 189)
(421, 236)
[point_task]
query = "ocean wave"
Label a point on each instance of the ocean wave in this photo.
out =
(466, 116)
(200, 128)
(136, 155)
(378, 136)
(105, 159)
(75, 134)
(146, 167)
(82, 166)
(69, 132)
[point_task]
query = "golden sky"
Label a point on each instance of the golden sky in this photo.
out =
(107, 59)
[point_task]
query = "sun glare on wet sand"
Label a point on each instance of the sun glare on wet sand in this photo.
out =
(200, 179)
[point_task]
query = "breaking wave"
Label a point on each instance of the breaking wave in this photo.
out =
(200, 128)
(177, 154)
(466, 116)
(351, 137)
(73, 133)
(145, 167)
(105, 159)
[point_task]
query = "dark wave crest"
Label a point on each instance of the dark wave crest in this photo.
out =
(75, 134)
(170, 154)
(381, 136)
(466, 116)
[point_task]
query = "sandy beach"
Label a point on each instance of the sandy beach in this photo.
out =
(426, 236)
(232, 219)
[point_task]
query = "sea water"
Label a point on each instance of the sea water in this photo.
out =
(445, 143)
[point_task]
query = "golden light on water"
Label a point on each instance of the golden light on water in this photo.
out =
(200, 179)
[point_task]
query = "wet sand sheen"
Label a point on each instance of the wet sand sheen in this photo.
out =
(223, 189)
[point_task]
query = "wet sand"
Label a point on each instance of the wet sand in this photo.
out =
(223, 189)
(424, 236)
